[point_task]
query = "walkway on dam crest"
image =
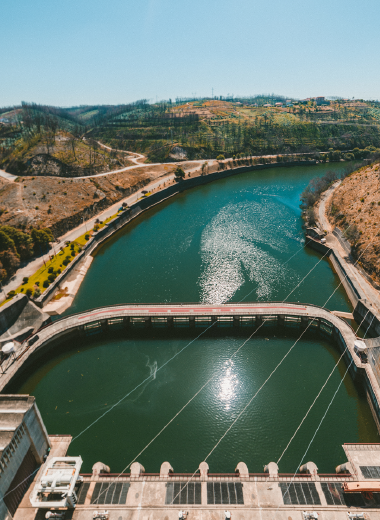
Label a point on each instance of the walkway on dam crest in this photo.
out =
(176, 315)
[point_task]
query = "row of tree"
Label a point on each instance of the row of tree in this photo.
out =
(17, 246)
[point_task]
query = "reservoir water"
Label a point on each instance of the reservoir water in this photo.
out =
(232, 240)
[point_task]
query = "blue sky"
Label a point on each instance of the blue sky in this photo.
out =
(76, 52)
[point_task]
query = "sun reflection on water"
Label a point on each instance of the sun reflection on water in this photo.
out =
(228, 385)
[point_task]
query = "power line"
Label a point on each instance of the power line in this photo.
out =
(319, 393)
(327, 409)
(176, 415)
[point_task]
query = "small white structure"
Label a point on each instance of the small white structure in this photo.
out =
(359, 346)
(8, 348)
(55, 487)
(310, 515)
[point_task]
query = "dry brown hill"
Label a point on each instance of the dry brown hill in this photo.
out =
(60, 204)
(356, 204)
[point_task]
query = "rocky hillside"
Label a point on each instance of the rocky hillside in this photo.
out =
(60, 204)
(355, 207)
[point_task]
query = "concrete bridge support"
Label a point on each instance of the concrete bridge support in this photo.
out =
(104, 325)
(271, 469)
(281, 321)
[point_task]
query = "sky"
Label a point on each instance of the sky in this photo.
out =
(82, 52)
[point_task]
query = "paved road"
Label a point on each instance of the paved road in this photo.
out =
(8, 176)
(35, 264)
(73, 234)
(372, 294)
(323, 220)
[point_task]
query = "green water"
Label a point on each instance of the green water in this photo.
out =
(226, 241)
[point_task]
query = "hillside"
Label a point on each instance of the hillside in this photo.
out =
(60, 154)
(205, 129)
(196, 129)
(61, 204)
(355, 207)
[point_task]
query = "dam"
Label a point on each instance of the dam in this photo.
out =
(87, 361)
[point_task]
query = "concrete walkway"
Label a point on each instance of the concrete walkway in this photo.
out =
(371, 294)
(8, 176)
(207, 313)
(73, 234)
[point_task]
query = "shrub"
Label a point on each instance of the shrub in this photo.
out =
(29, 292)
(220, 157)
(46, 283)
(72, 245)
(51, 277)
(179, 173)
(37, 292)
(73, 253)
(352, 234)
(11, 294)
(51, 269)
(87, 236)
(96, 227)
(25, 280)
(310, 214)
(37, 283)
(66, 261)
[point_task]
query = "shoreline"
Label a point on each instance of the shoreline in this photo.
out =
(119, 222)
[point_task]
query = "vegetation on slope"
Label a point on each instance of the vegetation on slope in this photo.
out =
(17, 246)
(355, 207)
(190, 129)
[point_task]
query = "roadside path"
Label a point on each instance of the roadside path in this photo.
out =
(8, 176)
(371, 294)
(87, 225)
(323, 220)
(73, 234)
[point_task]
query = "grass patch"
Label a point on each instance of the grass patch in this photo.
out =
(47, 273)
(54, 266)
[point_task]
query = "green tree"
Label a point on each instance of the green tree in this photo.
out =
(179, 173)
(23, 241)
(6, 243)
(41, 239)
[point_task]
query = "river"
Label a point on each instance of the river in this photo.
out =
(235, 239)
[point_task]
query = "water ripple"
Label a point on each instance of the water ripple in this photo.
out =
(240, 243)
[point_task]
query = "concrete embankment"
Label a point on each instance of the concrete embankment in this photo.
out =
(364, 312)
(362, 294)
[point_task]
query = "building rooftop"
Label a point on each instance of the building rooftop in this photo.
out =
(12, 411)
